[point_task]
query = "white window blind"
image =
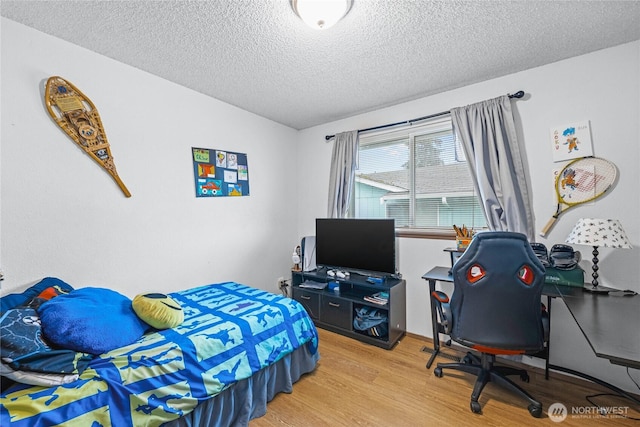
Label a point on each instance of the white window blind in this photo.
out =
(417, 175)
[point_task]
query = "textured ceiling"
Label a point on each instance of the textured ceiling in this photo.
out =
(259, 56)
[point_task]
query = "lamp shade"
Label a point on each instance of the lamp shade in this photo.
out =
(321, 14)
(607, 233)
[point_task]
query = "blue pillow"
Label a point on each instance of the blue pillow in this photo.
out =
(90, 320)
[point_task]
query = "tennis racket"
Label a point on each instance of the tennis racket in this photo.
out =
(581, 181)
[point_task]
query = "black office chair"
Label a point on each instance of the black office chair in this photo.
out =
(495, 309)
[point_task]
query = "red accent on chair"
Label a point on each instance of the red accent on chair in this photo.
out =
(475, 273)
(490, 350)
(440, 296)
(526, 275)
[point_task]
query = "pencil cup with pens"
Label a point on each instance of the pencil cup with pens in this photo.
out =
(463, 237)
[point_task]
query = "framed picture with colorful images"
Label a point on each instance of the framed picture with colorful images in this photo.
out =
(220, 173)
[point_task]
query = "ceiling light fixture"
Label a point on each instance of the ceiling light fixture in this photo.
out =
(321, 14)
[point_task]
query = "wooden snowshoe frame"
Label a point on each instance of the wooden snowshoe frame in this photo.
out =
(79, 118)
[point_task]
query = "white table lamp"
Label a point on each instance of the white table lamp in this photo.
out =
(598, 232)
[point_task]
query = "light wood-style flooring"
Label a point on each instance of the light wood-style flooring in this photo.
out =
(357, 384)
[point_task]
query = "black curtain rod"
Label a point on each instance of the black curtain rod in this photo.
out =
(519, 94)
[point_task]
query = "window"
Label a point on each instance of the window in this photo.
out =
(417, 175)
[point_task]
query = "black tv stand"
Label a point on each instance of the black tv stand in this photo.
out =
(335, 310)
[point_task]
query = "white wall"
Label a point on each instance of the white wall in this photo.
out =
(62, 214)
(602, 87)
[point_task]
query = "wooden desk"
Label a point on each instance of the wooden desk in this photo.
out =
(603, 320)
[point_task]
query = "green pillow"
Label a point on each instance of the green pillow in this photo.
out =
(158, 310)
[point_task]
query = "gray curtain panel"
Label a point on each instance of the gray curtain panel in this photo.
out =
(344, 162)
(488, 135)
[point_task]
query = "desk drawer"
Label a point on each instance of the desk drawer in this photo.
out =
(310, 301)
(336, 311)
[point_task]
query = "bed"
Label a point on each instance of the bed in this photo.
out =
(235, 350)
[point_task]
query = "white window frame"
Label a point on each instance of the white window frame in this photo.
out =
(439, 124)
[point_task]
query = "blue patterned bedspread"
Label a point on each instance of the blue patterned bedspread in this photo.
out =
(230, 331)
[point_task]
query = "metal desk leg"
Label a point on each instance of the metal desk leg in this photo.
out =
(546, 361)
(597, 381)
(434, 323)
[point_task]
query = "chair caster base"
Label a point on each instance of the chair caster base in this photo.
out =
(535, 410)
(486, 372)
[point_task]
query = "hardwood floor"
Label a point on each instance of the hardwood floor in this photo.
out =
(359, 384)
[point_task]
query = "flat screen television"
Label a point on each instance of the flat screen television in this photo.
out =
(357, 245)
